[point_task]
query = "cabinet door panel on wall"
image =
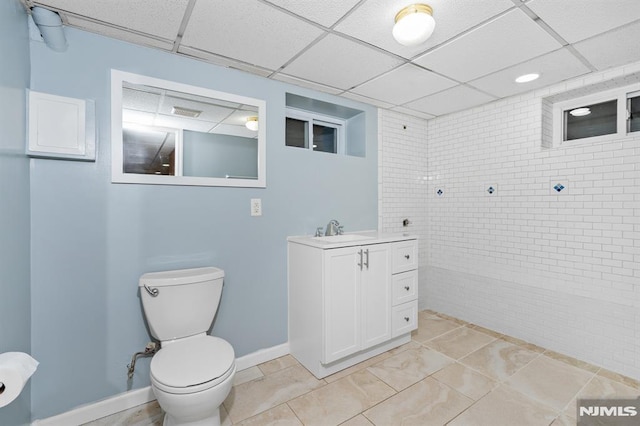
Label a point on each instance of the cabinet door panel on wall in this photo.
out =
(341, 303)
(376, 304)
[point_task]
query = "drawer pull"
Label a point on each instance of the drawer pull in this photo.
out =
(406, 256)
(407, 319)
(406, 287)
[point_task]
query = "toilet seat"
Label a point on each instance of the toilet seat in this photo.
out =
(192, 365)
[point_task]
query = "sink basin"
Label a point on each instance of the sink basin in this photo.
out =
(342, 238)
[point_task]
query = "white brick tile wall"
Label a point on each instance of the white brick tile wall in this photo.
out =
(559, 270)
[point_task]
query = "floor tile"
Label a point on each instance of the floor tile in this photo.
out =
(499, 359)
(277, 364)
(428, 402)
(340, 400)
(601, 387)
(563, 420)
(251, 398)
(277, 416)
(484, 330)
(406, 368)
(371, 361)
(628, 381)
(572, 361)
(247, 375)
(551, 382)
(148, 414)
(358, 420)
(459, 342)
(432, 326)
(505, 407)
(465, 380)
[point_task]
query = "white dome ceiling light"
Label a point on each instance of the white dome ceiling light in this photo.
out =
(252, 123)
(414, 24)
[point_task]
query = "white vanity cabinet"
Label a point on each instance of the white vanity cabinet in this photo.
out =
(348, 300)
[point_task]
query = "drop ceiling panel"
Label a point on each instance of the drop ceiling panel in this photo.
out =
(508, 40)
(403, 110)
(367, 100)
(105, 30)
(553, 68)
(373, 21)
(250, 31)
(325, 12)
(223, 61)
(339, 62)
(160, 18)
(450, 100)
(617, 47)
(588, 18)
(305, 83)
(404, 84)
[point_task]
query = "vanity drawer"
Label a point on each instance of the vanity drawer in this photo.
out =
(405, 256)
(404, 287)
(404, 318)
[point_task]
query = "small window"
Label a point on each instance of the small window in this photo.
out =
(297, 133)
(633, 106)
(591, 120)
(325, 137)
(598, 118)
(327, 134)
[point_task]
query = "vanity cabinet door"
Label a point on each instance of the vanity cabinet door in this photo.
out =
(341, 307)
(376, 294)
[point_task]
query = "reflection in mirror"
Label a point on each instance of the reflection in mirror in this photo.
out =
(169, 133)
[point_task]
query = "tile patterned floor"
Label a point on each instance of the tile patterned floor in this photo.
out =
(451, 373)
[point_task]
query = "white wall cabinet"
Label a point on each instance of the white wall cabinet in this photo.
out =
(346, 304)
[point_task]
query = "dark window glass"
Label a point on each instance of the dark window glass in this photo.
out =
(297, 133)
(591, 120)
(325, 138)
(634, 110)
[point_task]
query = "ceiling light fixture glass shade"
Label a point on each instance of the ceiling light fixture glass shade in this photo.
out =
(252, 124)
(527, 78)
(414, 24)
(579, 112)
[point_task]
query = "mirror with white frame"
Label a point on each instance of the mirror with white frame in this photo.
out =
(169, 133)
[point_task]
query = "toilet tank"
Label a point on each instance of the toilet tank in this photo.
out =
(185, 301)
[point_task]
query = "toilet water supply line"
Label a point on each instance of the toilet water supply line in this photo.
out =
(149, 350)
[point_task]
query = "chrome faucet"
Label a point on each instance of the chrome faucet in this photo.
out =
(333, 228)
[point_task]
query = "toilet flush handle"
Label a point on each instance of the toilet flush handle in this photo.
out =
(152, 291)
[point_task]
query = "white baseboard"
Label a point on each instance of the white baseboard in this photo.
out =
(126, 400)
(262, 355)
(96, 410)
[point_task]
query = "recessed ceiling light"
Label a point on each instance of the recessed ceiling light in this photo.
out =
(579, 112)
(527, 78)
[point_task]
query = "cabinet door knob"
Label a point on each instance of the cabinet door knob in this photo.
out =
(407, 319)
(406, 287)
(406, 256)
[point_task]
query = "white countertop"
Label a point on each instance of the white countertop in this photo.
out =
(351, 239)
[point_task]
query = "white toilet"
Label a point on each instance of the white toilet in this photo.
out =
(192, 373)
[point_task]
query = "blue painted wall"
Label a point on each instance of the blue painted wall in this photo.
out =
(91, 239)
(15, 325)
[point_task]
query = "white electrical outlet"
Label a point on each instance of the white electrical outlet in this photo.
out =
(256, 207)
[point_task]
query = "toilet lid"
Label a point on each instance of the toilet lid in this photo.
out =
(192, 362)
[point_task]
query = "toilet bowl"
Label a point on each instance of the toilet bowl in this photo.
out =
(193, 372)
